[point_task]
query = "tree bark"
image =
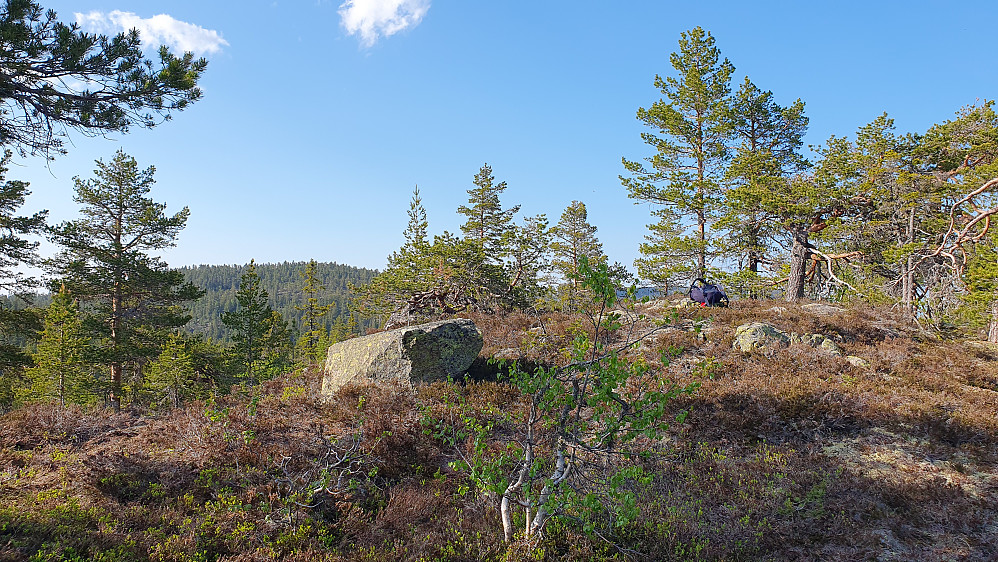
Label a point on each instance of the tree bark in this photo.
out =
(562, 470)
(908, 279)
(798, 266)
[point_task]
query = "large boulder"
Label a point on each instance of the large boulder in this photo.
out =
(426, 352)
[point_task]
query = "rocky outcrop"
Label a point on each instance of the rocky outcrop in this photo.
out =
(819, 341)
(857, 361)
(422, 353)
(759, 336)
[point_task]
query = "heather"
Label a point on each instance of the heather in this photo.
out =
(785, 455)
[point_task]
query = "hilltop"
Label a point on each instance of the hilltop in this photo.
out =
(787, 454)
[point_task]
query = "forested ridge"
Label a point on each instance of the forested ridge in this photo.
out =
(283, 282)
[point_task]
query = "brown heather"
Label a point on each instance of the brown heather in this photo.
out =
(787, 455)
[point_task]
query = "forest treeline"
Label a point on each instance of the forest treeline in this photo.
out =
(283, 282)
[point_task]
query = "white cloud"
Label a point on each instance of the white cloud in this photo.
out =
(373, 19)
(155, 31)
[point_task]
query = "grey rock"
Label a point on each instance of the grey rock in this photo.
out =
(820, 341)
(422, 353)
(758, 336)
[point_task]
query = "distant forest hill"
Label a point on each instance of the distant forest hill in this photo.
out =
(283, 282)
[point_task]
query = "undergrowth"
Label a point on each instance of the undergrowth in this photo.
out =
(787, 454)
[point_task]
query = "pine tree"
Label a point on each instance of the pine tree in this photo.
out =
(573, 239)
(488, 224)
(659, 248)
(409, 269)
(416, 230)
(16, 251)
(132, 300)
(62, 371)
(692, 127)
(57, 78)
(807, 205)
(768, 143)
(529, 258)
(422, 278)
(960, 158)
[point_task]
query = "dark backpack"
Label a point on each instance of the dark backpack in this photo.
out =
(707, 294)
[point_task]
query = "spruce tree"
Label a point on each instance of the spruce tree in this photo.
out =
(250, 322)
(691, 127)
(276, 352)
(62, 370)
(131, 299)
(262, 339)
(313, 329)
(172, 377)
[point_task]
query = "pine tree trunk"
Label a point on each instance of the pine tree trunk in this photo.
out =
(702, 253)
(115, 365)
(908, 279)
(908, 287)
(798, 266)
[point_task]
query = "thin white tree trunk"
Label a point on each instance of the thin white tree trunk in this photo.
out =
(562, 470)
(993, 324)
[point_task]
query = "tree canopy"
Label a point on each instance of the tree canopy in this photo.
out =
(55, 78)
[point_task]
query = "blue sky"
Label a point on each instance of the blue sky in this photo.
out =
(320, 117)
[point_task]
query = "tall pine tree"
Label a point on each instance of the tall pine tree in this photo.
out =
(132, 300)
(768, 140)
(488, 224)
(691, 127)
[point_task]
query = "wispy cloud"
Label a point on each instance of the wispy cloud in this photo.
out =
(155, 31)
(373, 19)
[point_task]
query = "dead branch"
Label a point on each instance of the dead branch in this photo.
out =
(973, 230)
(828, 259)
